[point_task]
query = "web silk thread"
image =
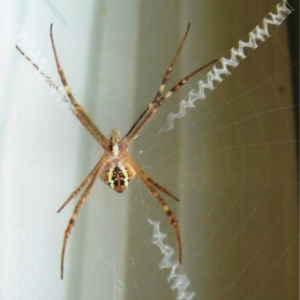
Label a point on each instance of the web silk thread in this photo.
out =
(257, 36)
(179, 281)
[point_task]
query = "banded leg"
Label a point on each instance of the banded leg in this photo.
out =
(163, 83)
(77, 209)
(166, 208)
(82, 185)
(154, 183)
(61, 72)
(78, 110)
(170, 69)
(181, 82)
(153, 107)
(46, 77)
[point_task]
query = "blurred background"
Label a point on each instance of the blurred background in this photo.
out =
(232, 160)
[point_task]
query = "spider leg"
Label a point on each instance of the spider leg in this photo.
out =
(82, 185)
(153, 106)
(77, 209)
(148, 183)
(61, 72)
(159, 187)
(46, 77)
(181, 82)
(170, 68)
(154, 183)
(163, 83)
(78, 110)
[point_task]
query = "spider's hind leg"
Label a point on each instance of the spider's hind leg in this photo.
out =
(168, 212)
(158, 186)
(73, 218)
(150, 184)
(82, 185)
(90, 179)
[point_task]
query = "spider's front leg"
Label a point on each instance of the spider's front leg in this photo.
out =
(158, 100)
(77, 109)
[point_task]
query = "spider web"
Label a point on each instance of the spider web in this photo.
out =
(231, 158)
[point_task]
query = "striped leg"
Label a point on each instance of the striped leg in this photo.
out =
(163, 83)
(46, 77)
(77, 209)
(170, 69)
(154, 183)
(78, 110)
(148, 183)
(61, 72)
(82, 185)
(181, 82)
(153, 107)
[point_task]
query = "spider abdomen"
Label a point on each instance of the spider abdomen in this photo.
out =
(117, 176)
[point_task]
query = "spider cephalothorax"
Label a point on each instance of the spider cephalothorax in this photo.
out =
(116, 167)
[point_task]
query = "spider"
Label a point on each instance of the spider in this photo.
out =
(116, 167)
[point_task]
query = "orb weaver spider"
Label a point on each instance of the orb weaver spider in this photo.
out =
(116, 167)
